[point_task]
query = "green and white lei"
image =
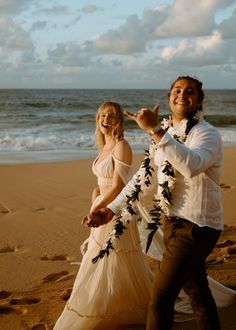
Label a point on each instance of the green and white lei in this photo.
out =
(143, 180)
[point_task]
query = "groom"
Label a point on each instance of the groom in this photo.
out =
(193, 222)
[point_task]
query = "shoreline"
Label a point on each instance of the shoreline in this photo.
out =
(51, 156)
(41, 207)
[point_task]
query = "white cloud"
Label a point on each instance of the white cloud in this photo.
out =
(165, 22)
(129, 38)
(202, 51)
(70, 55)
(13, 36)
(188, 18)
(71, 49)
(209, 44)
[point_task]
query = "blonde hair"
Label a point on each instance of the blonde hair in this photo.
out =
(118, 132)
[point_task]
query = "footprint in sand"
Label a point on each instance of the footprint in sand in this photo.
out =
(66, 294)
(55, 258)
(225, 243)
(39, 326)
(226, 248)
(228, 228)
(7, 249)
(55, 277)
(232, 249)
(4, 294)
(219, 260)
(8, 310)
(24, 301)
(4, 209)
(226, 187)
(40, 209)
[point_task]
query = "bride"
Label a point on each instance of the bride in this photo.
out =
(113, 292)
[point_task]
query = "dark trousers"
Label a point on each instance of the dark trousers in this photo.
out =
(183, 266)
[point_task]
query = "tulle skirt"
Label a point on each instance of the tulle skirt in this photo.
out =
(113, 292)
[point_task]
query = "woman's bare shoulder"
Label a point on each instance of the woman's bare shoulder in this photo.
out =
(123, 151)
(122, 145)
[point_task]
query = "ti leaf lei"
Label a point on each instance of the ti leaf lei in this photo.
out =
(143, 181)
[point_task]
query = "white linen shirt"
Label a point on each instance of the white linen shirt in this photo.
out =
(196, 195)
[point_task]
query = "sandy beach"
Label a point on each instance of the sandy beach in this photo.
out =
(41, 207)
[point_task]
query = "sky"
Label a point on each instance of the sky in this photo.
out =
(116, 43)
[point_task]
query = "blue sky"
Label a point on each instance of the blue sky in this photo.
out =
(116, 44)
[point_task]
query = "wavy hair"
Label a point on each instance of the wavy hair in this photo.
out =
(118, 132)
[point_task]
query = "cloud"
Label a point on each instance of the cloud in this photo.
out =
(129, 38)
(227, 26)
(166, 21)
(16, 49)
(13, 37)
(38, 25)
(162, 22)
(88, 9)
(143, 51)
(55, 10)
(202, 51)
(188, 18)
(13, 7)
(75, 20)
(117, 63)
(70, 55)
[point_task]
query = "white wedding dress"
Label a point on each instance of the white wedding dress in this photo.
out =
(114, 292)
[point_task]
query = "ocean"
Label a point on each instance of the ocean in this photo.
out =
(54, 125)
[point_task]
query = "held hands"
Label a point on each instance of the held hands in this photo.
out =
(145, 118)
(98, 217)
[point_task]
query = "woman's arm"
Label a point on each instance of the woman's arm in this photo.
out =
(95, 193)
(122, 153)
(105, 214)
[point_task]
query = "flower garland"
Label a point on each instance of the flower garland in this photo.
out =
(143, 181)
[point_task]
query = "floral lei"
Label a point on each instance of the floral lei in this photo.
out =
(143, 181)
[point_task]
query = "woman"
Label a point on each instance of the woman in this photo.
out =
(115, 291)
(188, 160)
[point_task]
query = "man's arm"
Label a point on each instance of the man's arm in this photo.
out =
(203, 151)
